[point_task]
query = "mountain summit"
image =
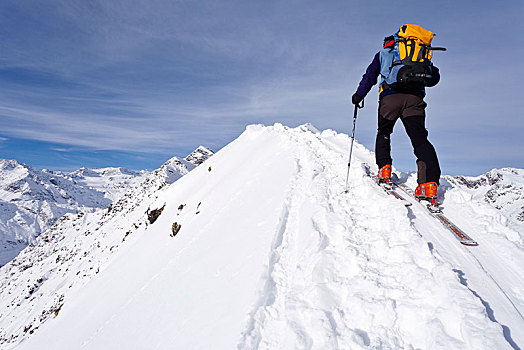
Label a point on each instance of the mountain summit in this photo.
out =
(200, 155)
(261, 248)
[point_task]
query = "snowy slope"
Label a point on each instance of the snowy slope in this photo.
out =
(270, 254)
(72, 251)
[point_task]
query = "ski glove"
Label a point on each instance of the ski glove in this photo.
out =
(355, 99)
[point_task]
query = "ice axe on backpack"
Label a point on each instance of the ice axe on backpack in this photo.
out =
(357, 106)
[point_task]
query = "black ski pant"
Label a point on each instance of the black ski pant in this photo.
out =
(411, 111)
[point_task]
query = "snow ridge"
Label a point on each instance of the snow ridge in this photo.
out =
(315, 290)
(271, 254)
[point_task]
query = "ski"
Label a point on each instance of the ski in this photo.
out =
(387, 187)
(436, 212)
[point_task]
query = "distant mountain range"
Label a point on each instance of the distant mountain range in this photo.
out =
(501, 188)
(32, 200)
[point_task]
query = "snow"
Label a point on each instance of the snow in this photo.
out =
(72, 251)
(503, 189)
(31, 201)
(271, 254)
(113, 182)
(199, 155)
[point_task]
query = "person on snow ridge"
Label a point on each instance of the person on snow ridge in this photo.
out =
(408, 105)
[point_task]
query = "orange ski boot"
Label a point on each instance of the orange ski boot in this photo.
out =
(427, 191)
(384, 174)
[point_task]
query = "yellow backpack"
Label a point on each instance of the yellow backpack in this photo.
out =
(412, 53)
(414, 43)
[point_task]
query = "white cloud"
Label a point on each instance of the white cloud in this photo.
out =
(149, 76)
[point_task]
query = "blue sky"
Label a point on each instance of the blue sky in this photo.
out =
(132, 83)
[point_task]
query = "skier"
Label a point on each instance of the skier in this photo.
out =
(401, 95)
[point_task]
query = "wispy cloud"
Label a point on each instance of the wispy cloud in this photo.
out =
(65, 150)
(146, 76)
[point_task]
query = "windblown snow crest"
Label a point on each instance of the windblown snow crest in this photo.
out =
(269, 253)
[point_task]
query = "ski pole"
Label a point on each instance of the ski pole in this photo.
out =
(357, 106)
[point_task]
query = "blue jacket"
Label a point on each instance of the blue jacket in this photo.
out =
(380, 66)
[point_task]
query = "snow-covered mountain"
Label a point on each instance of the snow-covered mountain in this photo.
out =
(31, 200)
(200, 155)
(502, 188)
(261, 248)
(112, 182)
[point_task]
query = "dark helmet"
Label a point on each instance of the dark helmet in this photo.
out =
(389, 41)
